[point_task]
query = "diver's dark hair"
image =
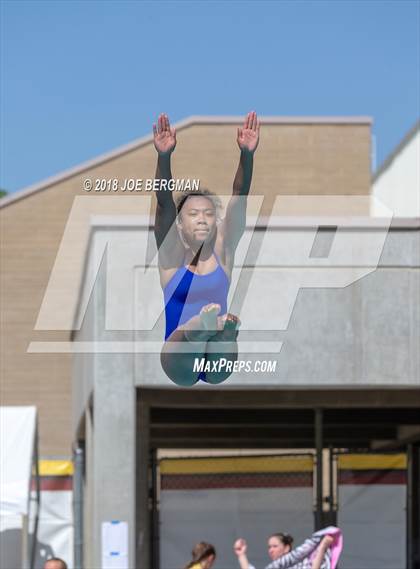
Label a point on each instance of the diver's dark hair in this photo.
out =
(285, 538)
(200, 552)
(217, 202)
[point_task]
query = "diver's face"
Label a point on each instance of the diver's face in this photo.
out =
(197, 220)
(276, 548)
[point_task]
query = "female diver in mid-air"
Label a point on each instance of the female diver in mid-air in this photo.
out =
(196, 256)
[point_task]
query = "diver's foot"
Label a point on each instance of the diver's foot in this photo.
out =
(208, 317)
(228, 325)
(205, 325)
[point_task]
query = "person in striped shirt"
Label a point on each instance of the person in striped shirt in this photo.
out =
(314, 553)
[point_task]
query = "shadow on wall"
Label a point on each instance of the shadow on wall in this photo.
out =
(11, 550)
(42, 553)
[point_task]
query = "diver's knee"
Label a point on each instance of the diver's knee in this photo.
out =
(175, 374)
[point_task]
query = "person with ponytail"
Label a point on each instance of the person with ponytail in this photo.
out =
(203, 556)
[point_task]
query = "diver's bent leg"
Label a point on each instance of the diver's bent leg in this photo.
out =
(187, 344)
(178, 365)
(222, 349)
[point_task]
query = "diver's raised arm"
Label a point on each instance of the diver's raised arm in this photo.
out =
(164, 138)
(234, 223)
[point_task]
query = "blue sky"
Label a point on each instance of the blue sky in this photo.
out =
(81, 78)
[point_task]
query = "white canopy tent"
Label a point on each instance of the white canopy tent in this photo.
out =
(18, 455)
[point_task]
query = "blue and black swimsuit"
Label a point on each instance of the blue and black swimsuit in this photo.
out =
(188, 292)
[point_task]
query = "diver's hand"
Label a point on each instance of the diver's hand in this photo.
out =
(164, 136)
(249, 134)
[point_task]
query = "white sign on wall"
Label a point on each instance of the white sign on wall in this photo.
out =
(114, 545)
